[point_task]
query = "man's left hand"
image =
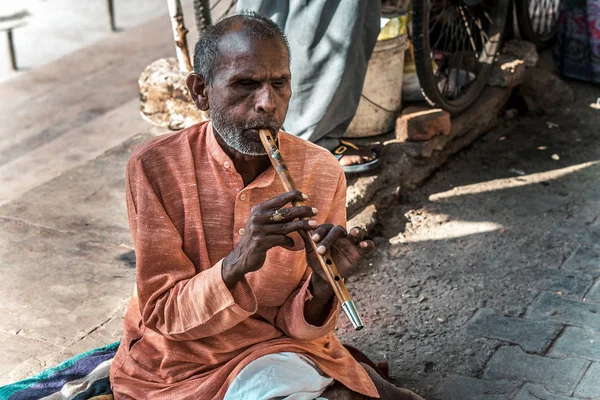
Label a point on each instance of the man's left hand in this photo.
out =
(347, 249)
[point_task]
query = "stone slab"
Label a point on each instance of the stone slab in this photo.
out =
(523, 50)
(466, 388)
(555, 308)
(586, 257)
(532, 336)
(589, 387)
(537, 392)
(107, 333)
(88, 200)
(566, 282)
(558, 375)
(65, 285)
(577, 342)
(58, 91)
(28, 348)
(508, 72)
(594, 293)
(544, 90)
(71, 149)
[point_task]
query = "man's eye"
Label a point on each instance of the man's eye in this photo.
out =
(280, 83)
(248, 84)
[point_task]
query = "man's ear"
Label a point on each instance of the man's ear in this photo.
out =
(198, 90)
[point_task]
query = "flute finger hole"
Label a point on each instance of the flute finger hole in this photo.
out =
(328, 261)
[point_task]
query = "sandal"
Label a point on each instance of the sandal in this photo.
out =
(346, 148)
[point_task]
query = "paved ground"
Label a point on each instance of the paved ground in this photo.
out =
(66, 131)
(484, 286)
(486, 281)
(59, 27)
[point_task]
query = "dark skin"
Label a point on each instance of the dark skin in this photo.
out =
(252, 82)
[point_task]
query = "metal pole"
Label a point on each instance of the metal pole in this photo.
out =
(111, 15)
(11, 50)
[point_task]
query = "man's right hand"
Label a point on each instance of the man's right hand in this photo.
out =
(263, 233)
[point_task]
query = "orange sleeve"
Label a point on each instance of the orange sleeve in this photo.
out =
(174, 299)
(290, 318)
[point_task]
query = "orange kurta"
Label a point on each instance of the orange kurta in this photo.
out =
(187, 335)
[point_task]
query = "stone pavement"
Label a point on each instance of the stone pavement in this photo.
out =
(552, 351)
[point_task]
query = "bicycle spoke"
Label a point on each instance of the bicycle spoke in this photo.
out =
(483, 37)
(468, 29)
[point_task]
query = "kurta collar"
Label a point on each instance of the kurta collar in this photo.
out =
(263, 180)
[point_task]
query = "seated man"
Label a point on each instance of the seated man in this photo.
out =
(229, 303)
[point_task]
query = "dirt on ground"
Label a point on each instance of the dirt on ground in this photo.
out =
(487, 230)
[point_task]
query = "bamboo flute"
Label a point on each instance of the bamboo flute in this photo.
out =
(333, 276)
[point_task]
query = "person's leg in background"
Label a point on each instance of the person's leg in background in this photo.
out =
(331, 42)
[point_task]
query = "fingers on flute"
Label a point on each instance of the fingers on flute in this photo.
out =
(366, 246)
(356, 235)
(326, 235)
(291, 213)
(281, 200)
(289, 227)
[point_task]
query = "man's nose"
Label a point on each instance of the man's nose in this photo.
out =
(264, 100)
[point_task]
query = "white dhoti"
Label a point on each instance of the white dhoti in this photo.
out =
(287, 375)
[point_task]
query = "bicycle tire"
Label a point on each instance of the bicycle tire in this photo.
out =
(526, 26)
(424, 62)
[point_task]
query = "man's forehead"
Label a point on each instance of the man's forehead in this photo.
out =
(239, 42)
(240, 55)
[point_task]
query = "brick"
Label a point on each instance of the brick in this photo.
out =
(532, 336)
(537, 392)
(466, 388)
(416, 124)
(553, 307)
(585, 258)
(594, 294)
(558, 375)
(577, 342)
(508, 72)
(590, 384)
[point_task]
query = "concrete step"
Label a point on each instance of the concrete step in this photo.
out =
(70, 149)
(74, 109)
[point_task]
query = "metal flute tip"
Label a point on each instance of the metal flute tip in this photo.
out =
(350, 310)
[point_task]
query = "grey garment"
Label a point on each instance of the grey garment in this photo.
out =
(331, 42)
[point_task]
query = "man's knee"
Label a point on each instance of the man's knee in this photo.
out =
(337, 391)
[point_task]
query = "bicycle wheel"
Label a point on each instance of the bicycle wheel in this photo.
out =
(208, 11)
(537, 21)
(456, 43)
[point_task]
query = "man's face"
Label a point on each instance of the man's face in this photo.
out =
(250, 90)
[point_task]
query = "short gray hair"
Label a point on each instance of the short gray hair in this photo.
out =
(256, 25)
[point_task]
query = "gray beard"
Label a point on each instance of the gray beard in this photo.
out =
(233, 136)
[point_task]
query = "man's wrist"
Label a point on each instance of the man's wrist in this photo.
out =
(228, 274)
